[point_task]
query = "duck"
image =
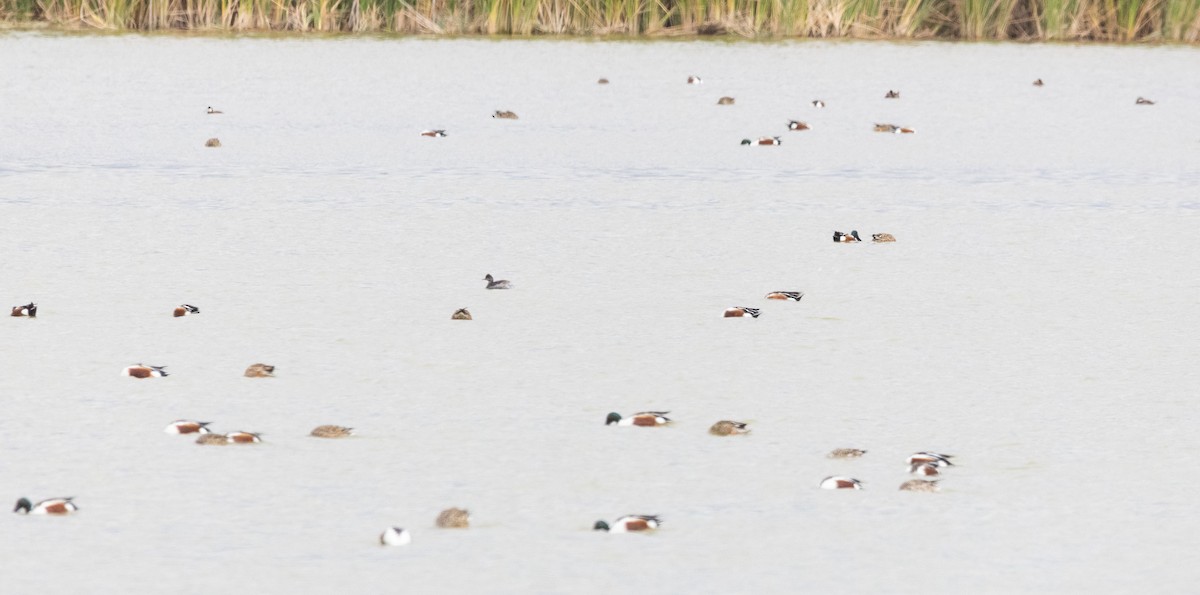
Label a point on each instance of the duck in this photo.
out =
(798, 125)
(49, 506)
(461, 314)
(187, 426)
(764, 140)
(882, 237)
(630, 523)
(643, 418)
(728, 428)
(143, 371)
(843, 238)
(494, 284)
(892, 95)
(1144, 101)
(817, 103)
(795, 296)
(837, 482)
(725, 101)
(892, 128)
(1038, 83)
(602, 81)
(243, 438)
(505, 115)
(846, 453)
(330, 431)
(740, 311)
(214, 111)
(213, 142)
(185, 309)
(395, 536)
(259, 371)
(933, 458)
(213, 440)
(453, 518)
(920, 485)
(694, 80)
(29, 310)
(926, 469)
(434, 133)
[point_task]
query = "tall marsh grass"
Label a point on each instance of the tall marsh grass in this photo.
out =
(1101, 20)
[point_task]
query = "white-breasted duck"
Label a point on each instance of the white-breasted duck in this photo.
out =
(837, 482)
(764, 140)
(144, 371)
(630, 524)
(187, 426)
(728, 428)
(214, 111)
(497, 284)
(48, 506)
(185, 309)
(741, 311)
(29, 310)
(694, 80)
(894, 129)
(434, 133)
(843, 238)
(798, 125)
(933, 458)
(243, 438)
(395, 536)
(794, 296)
(817, 103)
(644, 418)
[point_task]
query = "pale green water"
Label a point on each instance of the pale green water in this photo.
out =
(1036, 317)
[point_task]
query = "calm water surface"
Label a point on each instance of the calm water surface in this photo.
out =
(1037, 316)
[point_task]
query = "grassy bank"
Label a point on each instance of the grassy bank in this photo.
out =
(1100, 20)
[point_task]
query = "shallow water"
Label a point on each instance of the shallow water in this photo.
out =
(1036, 317)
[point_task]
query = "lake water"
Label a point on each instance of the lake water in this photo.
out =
(1037, 316)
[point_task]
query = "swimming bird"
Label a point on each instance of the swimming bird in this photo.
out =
(395, 536)
(817, 103)
(29, 310)
(892, 128)
(243, 438)
(643, 418)
(505, 115)
(214, 111)
(725, 101)
(843, 238)
(602, 81)
(920, 485)
(797, 125)
(213, 142)
(694, 80)
(846, 453)
(740, 311)
(764, 140)
(434, 133)
(187, 426)
(331, 432)
(453, 518)
(1144, 101)
(630, 523)
(213, 440)
(837, 482)
(185, 309)
(882, 237)
(494, 284)
(728, 428)
(461, 314)
(926, 469)
(892, 95)
(785, 295)
(259, 371)
(933, 458)
(142, 371)
(1037, 83)
(50, 506)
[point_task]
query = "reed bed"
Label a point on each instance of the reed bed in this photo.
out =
(1079, 20)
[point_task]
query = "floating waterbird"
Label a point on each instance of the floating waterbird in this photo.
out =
(331, 432)
(214, 111)
(764, 140)
(395, 536)
(817, 103)
(434, 133)
(643, 418)
(725, 101)
(213, 440)
(846, 453)
(185, 309)
(1144, 101)
(728, 428)
(49, 506)
(187, 426)
(694, 80)
(259, 371)
(797, 125)
(843, 238)
(740, 311)
(494, 284)
(892, 95)
(882, 237)
(29, 310)
(919, 485)
(1037, 83)
(630, 523)
(785, 295)
(837, 482)
(143, 371)
(212, 142)
(933, 458)
(602, 81)
(505, 115)
(461, 314)
(453, 518)
(892, 128)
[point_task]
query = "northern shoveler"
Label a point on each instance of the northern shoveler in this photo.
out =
(453, 518)
(143, 371)
(643, 418)
(395, 536)
(919, 485)
(892, 128)
(933, 458)
(882, 237)
(630, 523)
(694, 80)
(29, 310)
(837, 482)
(434, 133)
(243, 438)
(214, 111)
(259, 371)
(797, 125)
(185, 309)
(1144, 101)
(843, 238)
(926, 469)
(331, 432)
(846, 453)
(494, 284)
(1037, 83)
(213, 440)
(505, 115)
(461, 314)
(213, 142)
(740, 311)
(817, 103)
(725, 101)
(892, 95)
(49, 506)
(602, 81)
(785, 295)
(764, 140)
(187, 426)
(728, 428)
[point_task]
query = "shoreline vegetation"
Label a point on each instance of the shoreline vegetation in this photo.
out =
(1014, 20)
